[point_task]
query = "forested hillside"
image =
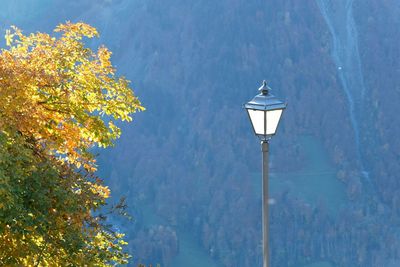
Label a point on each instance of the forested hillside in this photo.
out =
(190, 165)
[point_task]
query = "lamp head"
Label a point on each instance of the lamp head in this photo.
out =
(265, 112)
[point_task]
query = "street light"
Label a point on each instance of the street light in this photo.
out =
(265, 112)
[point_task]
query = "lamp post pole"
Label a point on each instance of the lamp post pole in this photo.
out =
(265, 212)
(265, 112)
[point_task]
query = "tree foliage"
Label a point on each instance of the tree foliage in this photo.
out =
(58, 99)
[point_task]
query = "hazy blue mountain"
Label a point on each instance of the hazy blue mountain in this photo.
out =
(190, 166)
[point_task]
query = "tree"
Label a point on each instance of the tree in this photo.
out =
(58, 99)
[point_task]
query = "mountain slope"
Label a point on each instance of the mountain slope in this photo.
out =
(191, 158)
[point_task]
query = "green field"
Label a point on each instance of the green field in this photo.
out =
(315, 182)
(320, 264)
(191, 253)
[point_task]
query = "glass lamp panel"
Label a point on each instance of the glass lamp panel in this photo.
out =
(257, 119)
(272, 120)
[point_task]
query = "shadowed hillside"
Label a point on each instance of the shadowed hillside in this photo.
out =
(189, 166)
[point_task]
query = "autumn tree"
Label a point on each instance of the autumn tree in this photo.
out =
(58, 100)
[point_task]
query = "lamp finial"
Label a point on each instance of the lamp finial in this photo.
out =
(264, 88)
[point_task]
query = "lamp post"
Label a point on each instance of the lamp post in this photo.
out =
(265, 111)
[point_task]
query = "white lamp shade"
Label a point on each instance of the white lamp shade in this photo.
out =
(265, 122)
(272, 120)
(265, 112)
(257, 118)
